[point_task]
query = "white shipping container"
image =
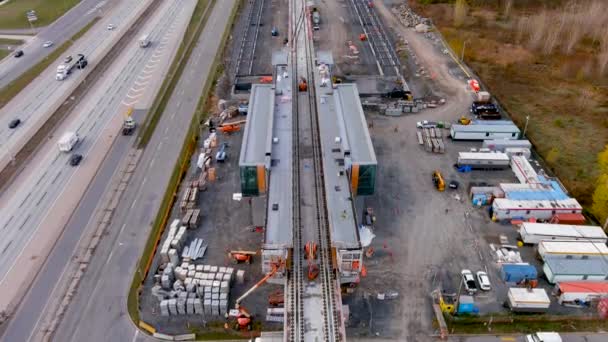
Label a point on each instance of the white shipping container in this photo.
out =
(528, 300)
(572, 249)
(533, 233)
(506, 209)
(483, 159)
(502, 144)
(484, 132)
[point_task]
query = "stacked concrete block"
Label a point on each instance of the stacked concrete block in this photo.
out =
(240, 276)
(172, 304)
(222, 269)
(190, 306)
(223, 307)
(223, 296)
(181, 303)
(215, 296)
(213, 269)
(219, 276)
(198, 306)
(224, 287)
(206, 268)
(215, 307)
(207, 306)
(200, 268)
(227, 277)
(164, 307)
(173, 256)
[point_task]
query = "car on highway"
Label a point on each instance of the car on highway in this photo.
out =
(75, 159)
(111, 27)
(14, 123)
(469, 281)
(484, 281)
(47, 44)
(67, 59)
(274, 32)
(18, 53)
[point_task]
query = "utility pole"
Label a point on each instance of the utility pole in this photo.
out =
(462, 52)
(526, 126)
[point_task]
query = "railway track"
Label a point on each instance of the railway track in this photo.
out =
(379, 42)
(244, 64)
(299, 294)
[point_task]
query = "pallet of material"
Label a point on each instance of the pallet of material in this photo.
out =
(420, 140)
(182, 206)
(186, 195)
(193, 221)
(187, 217)
(428, 145)
(193, 195)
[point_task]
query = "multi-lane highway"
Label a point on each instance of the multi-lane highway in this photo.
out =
(63, 29)
(98, 310)
(37, 102)
(40, 201)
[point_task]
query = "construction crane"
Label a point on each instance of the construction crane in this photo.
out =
(243, 317)
(310, 251)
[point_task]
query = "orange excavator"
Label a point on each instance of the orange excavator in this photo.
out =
(310, 250)
(243, 317)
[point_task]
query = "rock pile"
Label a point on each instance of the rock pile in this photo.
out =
(407, 17)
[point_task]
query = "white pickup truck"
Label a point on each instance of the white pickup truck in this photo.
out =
(67, 141)
(544, 337)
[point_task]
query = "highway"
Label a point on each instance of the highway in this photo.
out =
(58, 32)
(47, 192)
(36, 103)
(98, 310)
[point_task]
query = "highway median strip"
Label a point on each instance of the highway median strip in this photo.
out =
(15, 87)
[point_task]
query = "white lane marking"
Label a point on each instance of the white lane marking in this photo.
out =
(135, 335)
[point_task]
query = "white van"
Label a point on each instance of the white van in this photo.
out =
(144, 41)
(67, 141)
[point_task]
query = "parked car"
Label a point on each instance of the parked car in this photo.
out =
(67, 59)
(111, 27)
(221, 153)
(275, 31)
(18, 53)
(468, 281)
(243, 108)
(453, 184)
(75, 159)
(426, 124)
(484, 281)
(47, 44)
(14, 123)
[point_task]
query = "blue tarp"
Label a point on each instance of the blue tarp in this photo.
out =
(515, 273)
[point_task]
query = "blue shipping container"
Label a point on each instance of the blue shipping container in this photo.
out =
(466, 305)
(515, 273)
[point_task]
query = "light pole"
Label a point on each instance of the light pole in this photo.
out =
(462, 52)
(526, 126)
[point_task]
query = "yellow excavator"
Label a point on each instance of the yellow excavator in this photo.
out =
(438, 180)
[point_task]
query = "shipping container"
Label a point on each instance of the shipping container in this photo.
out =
(528, 300)
(486, 131)
(572, 249)
(523, 170)
(507, 209)
(569, 219)
(558, 270)
(466, 305)
(502, 144)
(483, 160)
(533, 233)
(581, 292)
(518, 151)
(517, 273)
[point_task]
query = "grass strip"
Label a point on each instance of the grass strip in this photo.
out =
(15, 87)
(522, 324)
(13, 13)
(199, 17)
(8, 41)
(4, 53)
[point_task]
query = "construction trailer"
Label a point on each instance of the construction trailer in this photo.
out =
(534, 233)
(558, 270)
(501, 145)
(572, 249)
(580, 292)
(523, 170)
(521, 299)
(507, 209)
(545, 191)
(485, 130)
(484, 160)
(256, 148)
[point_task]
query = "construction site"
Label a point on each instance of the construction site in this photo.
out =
(331, 196)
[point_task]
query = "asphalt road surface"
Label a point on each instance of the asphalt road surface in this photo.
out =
(50, 176)
(37, 101)
(58, 32)
(98, 311)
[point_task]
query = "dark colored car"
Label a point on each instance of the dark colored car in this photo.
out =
(75, 159)
(453, 184)
(14, 123)
(18, 53)
(274, 32)
(81, 62)
(485, 108)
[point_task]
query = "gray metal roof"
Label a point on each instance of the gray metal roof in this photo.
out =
(562, 266)
(257, 139)
(278, 232)
(353, 125)
(341, 215)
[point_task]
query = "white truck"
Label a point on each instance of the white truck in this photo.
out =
(144, 41)
(67, 141)
(544, 337)
(63, 70)
(520, 299)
